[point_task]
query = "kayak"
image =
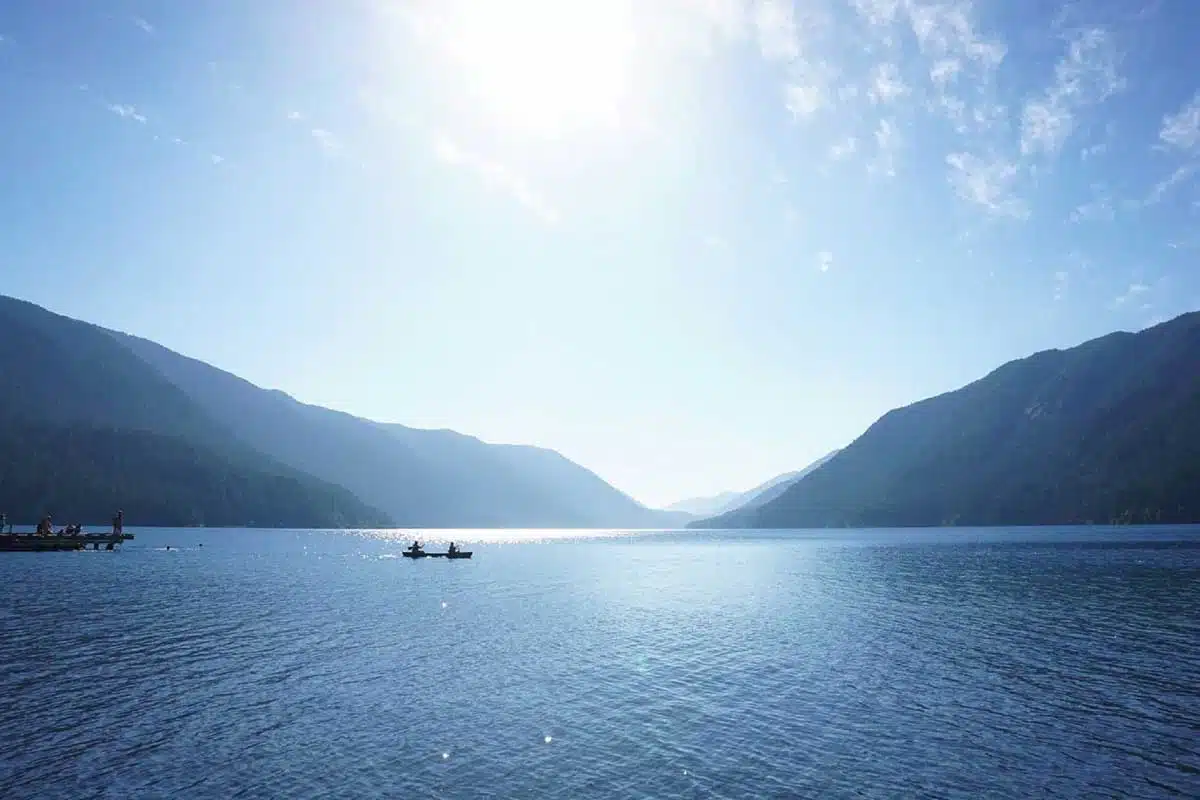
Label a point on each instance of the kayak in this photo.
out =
(423, 554)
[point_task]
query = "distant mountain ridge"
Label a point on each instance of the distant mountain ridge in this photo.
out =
(729, 501)
(86, 427)
(420, 478)
(1106, 432)
(70, 381)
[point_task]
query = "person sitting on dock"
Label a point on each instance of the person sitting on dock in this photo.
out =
(45, 527)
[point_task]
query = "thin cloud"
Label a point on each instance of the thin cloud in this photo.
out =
(144, 25)
(844, 148)
(1134, 291)
(877, 13)
(216, 159)
(962, 63)
(775, 25)
(886, 84)
(495, 175)
(1062, 280)
(1098, 209)
(803, 101)
(824, 260)
(327, 141)
(944, 71)
(1181, 175)
(947, 30)
(1181, 130)
(127, 112)
(988, 183)
(887, 142)
(1087, 75)
(295, 116)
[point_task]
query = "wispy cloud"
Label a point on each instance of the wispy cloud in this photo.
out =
(1135, 290)
(143, 24)
(1062, 280)
(775, 25)
(127, 112)
(327, 141)
(878, 13)
(1179, 133)
(947, 30)
(887, 142)
(1100, 208)
(886, 84)
(216, 159)
(1182, 174)
(1181, 130)
(824, 260)
(944, 71)
(843, 149)
(295, 116)
(803, 101)
(962, 62)
(1087, 75)
(987, 183)
(494, 174)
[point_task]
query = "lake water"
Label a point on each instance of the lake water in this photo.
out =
(955, 663)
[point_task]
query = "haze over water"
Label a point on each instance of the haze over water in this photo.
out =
(949, 663)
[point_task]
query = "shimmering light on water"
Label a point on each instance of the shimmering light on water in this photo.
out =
(558, 664)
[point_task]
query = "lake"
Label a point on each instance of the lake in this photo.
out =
(935, 663)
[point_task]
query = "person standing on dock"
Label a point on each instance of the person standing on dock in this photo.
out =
(3, 522)
(119, 522)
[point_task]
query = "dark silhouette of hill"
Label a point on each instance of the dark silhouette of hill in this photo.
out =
(86, 427)
(1108, 431)
(421, 478)
(79, 473)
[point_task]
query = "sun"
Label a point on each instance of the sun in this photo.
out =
(543, 67)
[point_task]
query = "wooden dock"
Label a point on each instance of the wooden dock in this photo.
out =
(32, 542)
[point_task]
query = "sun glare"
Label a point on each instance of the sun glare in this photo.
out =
(544, 66)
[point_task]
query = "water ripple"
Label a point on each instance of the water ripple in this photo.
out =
(301, 664)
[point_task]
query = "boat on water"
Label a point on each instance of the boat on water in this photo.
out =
(423, 554)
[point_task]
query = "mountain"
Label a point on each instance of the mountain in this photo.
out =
(1108, 431)
(728, 501)
(708, 506)
(761, 495)
(420, 478)
(86, 427)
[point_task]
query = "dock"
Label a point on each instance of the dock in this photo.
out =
(32, 542)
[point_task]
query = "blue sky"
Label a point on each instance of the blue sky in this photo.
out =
(688, 243)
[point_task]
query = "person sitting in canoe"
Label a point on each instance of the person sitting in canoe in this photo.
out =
(453, 548)
(416, 546)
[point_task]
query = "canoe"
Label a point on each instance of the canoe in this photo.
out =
(423, 554)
